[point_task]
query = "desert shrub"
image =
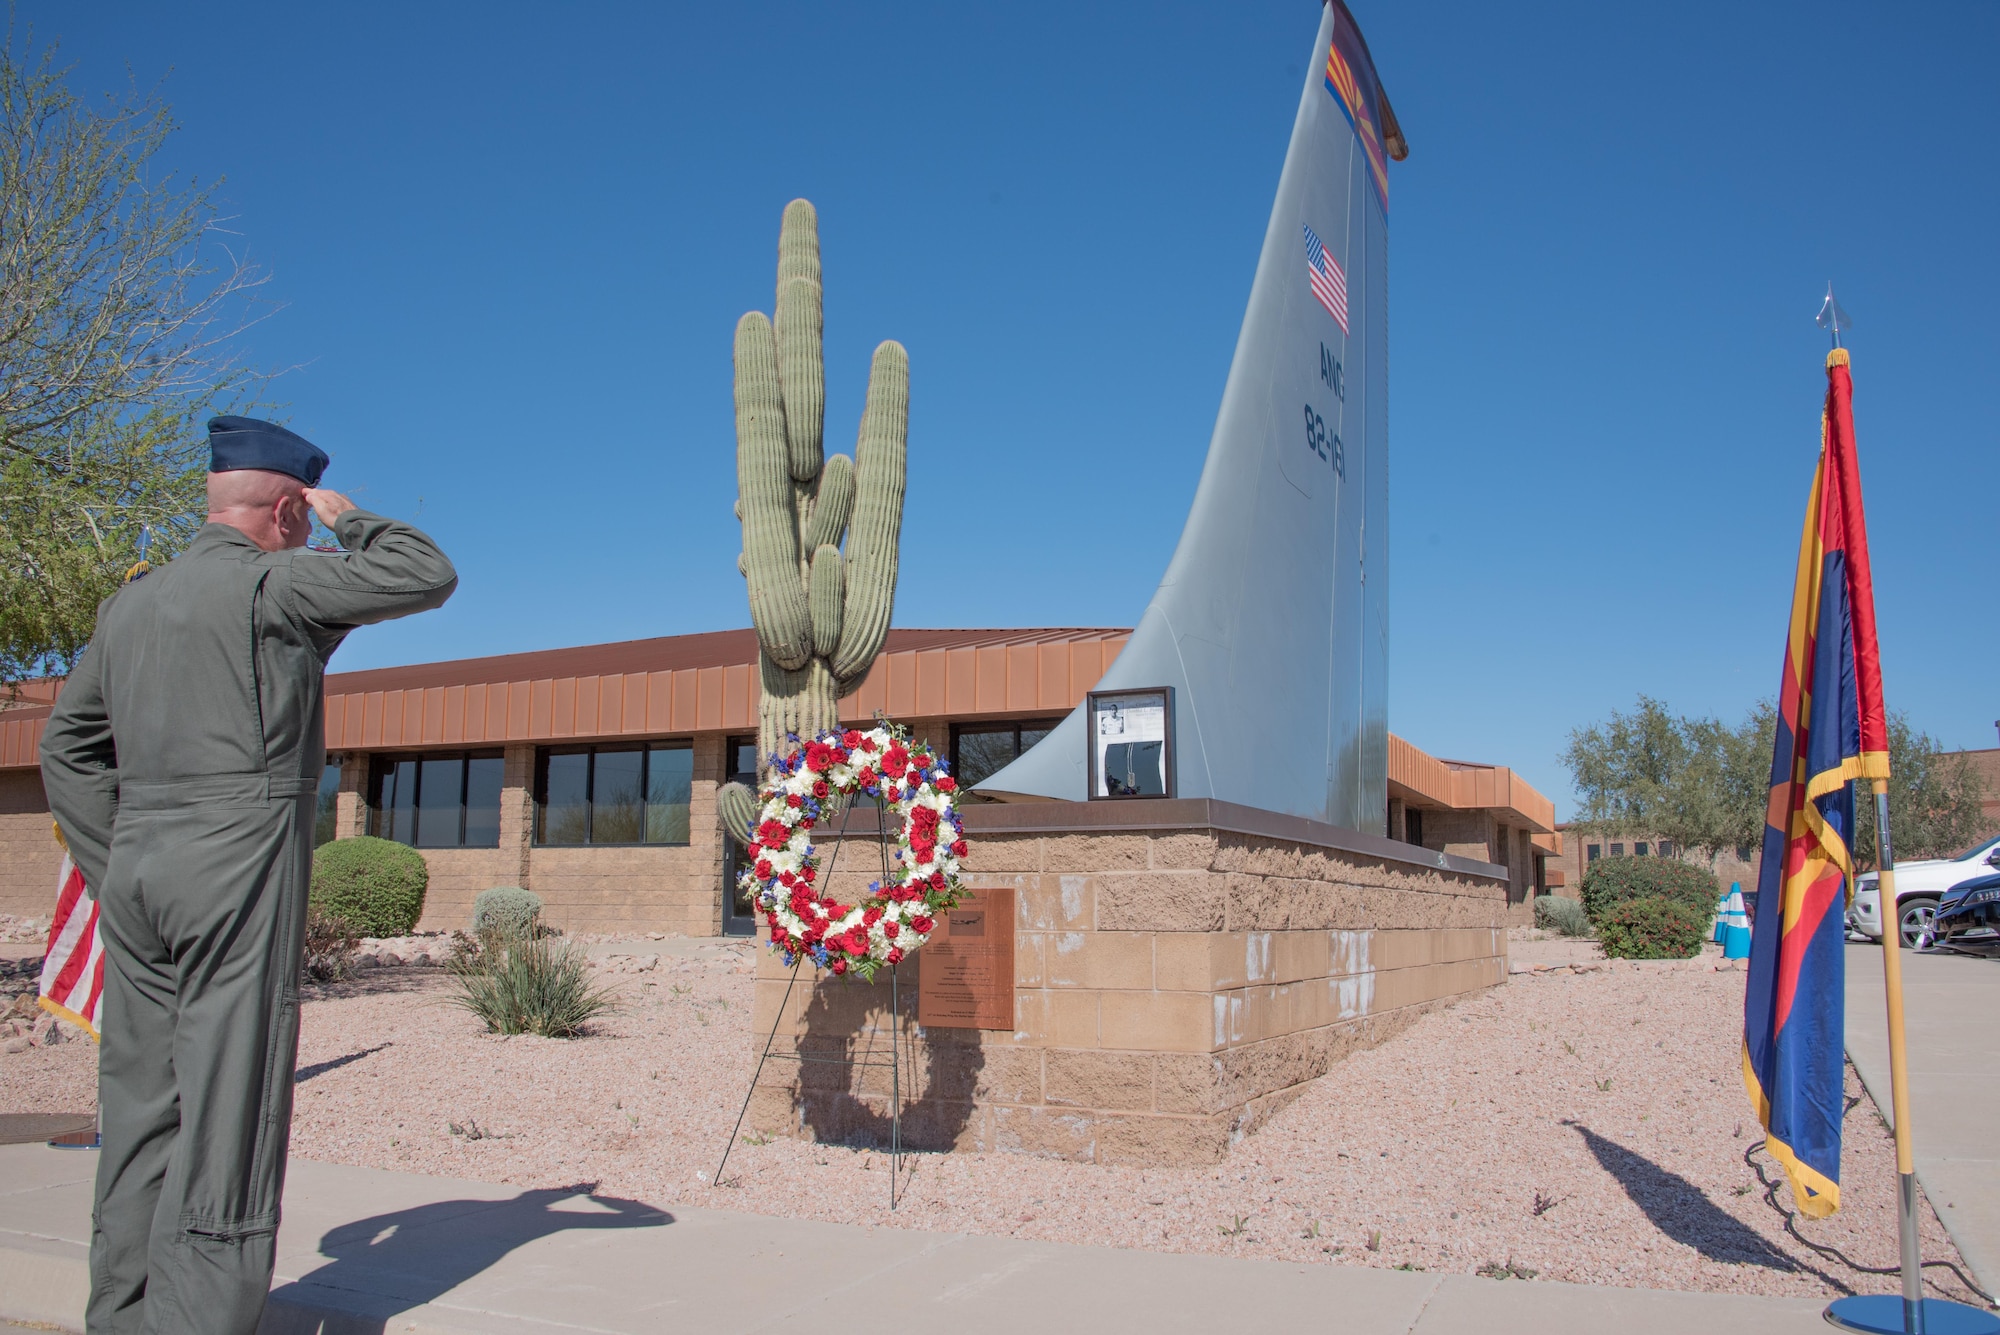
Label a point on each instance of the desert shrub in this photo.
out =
(1652, 928)
(1615, 880)
(376, 884)
(330, 943)
(507, 909)
(1553, 913)
(527, 984)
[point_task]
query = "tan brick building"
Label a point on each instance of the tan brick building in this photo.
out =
(588, 775)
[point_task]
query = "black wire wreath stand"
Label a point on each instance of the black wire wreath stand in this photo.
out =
(895, 1029)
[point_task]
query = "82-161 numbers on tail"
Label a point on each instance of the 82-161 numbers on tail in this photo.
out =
(1326, 444)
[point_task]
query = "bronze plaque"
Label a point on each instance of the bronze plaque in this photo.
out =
(967, 978)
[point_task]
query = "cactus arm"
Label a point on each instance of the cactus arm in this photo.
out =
(802, 376)
(880, 456)
(835, 503)
(827, 595)
(800, 321)
(738, 807)
(764, 484)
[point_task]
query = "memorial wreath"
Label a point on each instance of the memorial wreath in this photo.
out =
(899, 913)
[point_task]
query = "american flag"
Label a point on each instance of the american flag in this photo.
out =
(1327, 278)
(73, 970)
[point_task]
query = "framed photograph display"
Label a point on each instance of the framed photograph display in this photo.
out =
(1132, 743)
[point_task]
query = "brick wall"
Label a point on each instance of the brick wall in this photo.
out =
(1172, 989)
(588, 889)
(29, 854)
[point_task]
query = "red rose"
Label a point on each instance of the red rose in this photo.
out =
(866, 778)
(839, 965)
(871, 916)
(892, 929)
(851, 738)
(947, 784)
(895, 954)
(958, 848)
(922, 923)
(763, 869)
(819, 788)
(937, 880)
(794, 801)
(807, 874)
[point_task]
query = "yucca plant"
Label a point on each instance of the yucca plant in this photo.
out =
(520, 983)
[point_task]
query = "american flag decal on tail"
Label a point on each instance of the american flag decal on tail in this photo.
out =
(73, 970)
(1327, 279)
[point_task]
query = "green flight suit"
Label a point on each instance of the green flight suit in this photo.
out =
(181, 762)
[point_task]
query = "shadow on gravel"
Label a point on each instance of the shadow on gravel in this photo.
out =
(306, 1073)
(387, 1264)
(846, 1087)
(1678, 1208)
(375, 983)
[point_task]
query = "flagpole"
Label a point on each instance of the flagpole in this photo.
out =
(1876, 1314)
(1899, 1066)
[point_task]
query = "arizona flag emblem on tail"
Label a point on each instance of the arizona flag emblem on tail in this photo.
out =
(73, 968)
(1831, 730)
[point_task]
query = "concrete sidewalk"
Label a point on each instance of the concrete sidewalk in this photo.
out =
(1950, 1003)
(369, 1251)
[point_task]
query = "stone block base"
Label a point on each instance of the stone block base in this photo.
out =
(1175, 986)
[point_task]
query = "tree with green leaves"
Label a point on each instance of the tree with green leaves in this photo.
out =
(1934, 800)
(1705, 785)
(1695, 781)
(120, 310)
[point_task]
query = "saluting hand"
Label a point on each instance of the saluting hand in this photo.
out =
(328, 505)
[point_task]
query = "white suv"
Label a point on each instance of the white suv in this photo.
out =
(1919, 886)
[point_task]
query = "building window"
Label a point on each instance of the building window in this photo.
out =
(1413, 826)
(981, 750)
(1666, 848)
(1500, 847)
(614, 794)
(1617, 850)
(446, 799)
(1592, 852)
(328, 804)
(1639, 849)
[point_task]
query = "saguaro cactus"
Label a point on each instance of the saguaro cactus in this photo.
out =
(821, 613)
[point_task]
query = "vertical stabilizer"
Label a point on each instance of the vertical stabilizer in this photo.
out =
(1272, 621)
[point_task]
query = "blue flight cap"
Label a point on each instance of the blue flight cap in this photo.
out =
(246, 442)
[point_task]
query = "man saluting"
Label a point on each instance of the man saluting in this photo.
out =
(181, 763)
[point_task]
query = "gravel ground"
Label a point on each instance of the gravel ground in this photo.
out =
(1588, 1127)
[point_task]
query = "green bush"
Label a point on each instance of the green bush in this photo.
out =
(507, 909)
(376, 884)
(1553, 913)
(1652, 928)
(1615, 880)
(528, 985)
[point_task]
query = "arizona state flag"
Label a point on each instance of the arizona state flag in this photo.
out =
(1831, 730)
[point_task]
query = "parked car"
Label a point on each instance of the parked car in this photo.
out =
(1968, 917)
(1919, 887)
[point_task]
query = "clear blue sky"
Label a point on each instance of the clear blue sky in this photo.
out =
(513, 240)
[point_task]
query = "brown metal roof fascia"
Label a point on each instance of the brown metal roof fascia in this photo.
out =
(666, 653)
(1184, 813)
(920, 674)
(1415, 776)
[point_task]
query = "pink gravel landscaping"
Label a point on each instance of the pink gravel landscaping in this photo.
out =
(1588, 1127)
